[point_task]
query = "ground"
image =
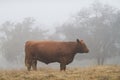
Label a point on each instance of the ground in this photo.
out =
(109, 72)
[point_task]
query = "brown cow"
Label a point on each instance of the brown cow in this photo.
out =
(52, 51)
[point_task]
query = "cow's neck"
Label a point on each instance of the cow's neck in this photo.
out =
(73, 46)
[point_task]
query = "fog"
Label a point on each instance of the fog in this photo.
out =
(49, 13)
(95, 22)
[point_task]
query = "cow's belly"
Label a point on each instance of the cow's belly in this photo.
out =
(47, 60)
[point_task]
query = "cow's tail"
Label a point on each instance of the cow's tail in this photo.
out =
(25, 61)
(26, 53)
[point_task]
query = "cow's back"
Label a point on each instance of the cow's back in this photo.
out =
(50, 47)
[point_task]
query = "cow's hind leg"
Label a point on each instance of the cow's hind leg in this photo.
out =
(28, 64)
(29, 67)
(34, 64)
(62, 67)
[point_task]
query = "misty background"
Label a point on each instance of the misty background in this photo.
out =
(95, 22)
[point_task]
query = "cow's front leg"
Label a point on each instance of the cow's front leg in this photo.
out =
(62, 67)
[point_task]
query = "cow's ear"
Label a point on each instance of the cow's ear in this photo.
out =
(78, 40)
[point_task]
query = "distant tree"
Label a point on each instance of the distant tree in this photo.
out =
(99, 27)
(103, 37)
(15, 35)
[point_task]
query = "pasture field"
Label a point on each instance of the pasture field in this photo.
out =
(110, 72)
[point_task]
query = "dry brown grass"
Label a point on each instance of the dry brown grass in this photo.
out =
(87, 73)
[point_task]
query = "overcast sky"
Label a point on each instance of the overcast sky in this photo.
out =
(47, 12)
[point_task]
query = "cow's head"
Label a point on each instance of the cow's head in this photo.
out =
(81, 47)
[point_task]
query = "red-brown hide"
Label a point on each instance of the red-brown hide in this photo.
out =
(52, 51)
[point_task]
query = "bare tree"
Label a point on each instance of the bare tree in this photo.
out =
(98, 26)
(15, 36)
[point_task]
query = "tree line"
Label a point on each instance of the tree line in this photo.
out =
(98, 25)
